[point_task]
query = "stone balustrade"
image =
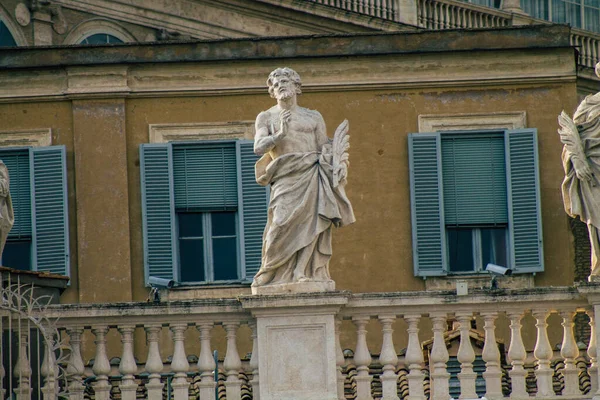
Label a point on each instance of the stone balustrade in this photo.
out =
(501, 344)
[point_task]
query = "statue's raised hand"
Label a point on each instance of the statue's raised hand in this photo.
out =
(284, 119)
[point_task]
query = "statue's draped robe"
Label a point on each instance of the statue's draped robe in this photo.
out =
(7, 216)
(582, 198)
(303, 207)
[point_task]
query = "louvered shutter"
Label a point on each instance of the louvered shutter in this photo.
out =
(474, 179)
(17, 163)
(427, 213)
(160, 237)
(254, 201)
(50, 209)
(205, 176)
(524, 201)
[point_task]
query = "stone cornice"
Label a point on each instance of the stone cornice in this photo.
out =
(528, 37)
(357, 62)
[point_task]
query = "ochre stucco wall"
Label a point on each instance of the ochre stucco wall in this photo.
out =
(375, 253)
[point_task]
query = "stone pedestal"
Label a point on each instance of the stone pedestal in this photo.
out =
(296, 344)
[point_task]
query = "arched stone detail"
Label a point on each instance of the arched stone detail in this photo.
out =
(95, 26)
(13, 27)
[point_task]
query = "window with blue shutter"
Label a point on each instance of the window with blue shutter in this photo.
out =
(485, 207)
(203, 211)
(39, 239)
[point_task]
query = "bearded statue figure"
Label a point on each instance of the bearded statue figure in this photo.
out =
(307, 172)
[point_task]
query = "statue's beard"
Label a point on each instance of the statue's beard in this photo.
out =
(285, 94)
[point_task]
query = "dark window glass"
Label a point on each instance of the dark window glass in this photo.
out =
(190, 225)
(17, 254)
(191, 260)
(101, 38)
(191, 247)
(6, 38)
(460, 249)
(223, 223)
(225, 258)
(493, 246)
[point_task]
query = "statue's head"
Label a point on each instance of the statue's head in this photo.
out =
(598, 70)
(280, 73)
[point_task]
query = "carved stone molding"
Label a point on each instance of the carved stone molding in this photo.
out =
(163, 133)
(31, 137)
(475, 121)
(97, 79)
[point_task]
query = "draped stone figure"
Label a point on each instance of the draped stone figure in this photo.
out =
(7, 216)
(307, 172)
(581, 162)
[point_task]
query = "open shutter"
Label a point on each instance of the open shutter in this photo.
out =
(17, 163)
(427, 212)
(525, 221)
(158, 211)
(50, 209)
(254, 200)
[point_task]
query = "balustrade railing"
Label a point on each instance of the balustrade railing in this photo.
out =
(449, 14)
(416, 345)
(588, 44)
(375, 8)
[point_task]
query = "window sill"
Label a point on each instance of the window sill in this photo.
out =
(479, 281)
(206, 291)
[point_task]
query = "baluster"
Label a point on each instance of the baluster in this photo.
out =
(362, 359)
(593, 354)
(75, 367)
(206, 362)
(48, 370)
(127, 366)
(491, 356)
(516, 356)
(22, 368)
(466, 356)
(439, 358)
(179, 365)
(414, 359)
(154, 364)
(232, 363)
(254, 363)
(389, 359)
(101, 366)
(569, 352)
(339, 361)
(543, 354)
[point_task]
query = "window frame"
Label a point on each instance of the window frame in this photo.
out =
(427, 209)
(166, 264)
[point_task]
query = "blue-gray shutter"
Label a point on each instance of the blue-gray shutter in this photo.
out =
(158, 212)
(473, 166)
(50, 209)
(17, 163)
(254, 200)
(525, 222)
(204, 176)
(426, 198)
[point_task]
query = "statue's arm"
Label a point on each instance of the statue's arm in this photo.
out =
(321, 130)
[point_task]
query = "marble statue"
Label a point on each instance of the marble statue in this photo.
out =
(307, 172)
(7, 216)
(581, 162)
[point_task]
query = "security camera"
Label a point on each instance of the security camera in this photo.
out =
(498, 269)
(157, 284)
(161, 282)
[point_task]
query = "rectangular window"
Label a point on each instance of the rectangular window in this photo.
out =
(39, 238)
(203, 211)
(474, 201)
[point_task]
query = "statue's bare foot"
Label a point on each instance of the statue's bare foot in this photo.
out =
(263, 279)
